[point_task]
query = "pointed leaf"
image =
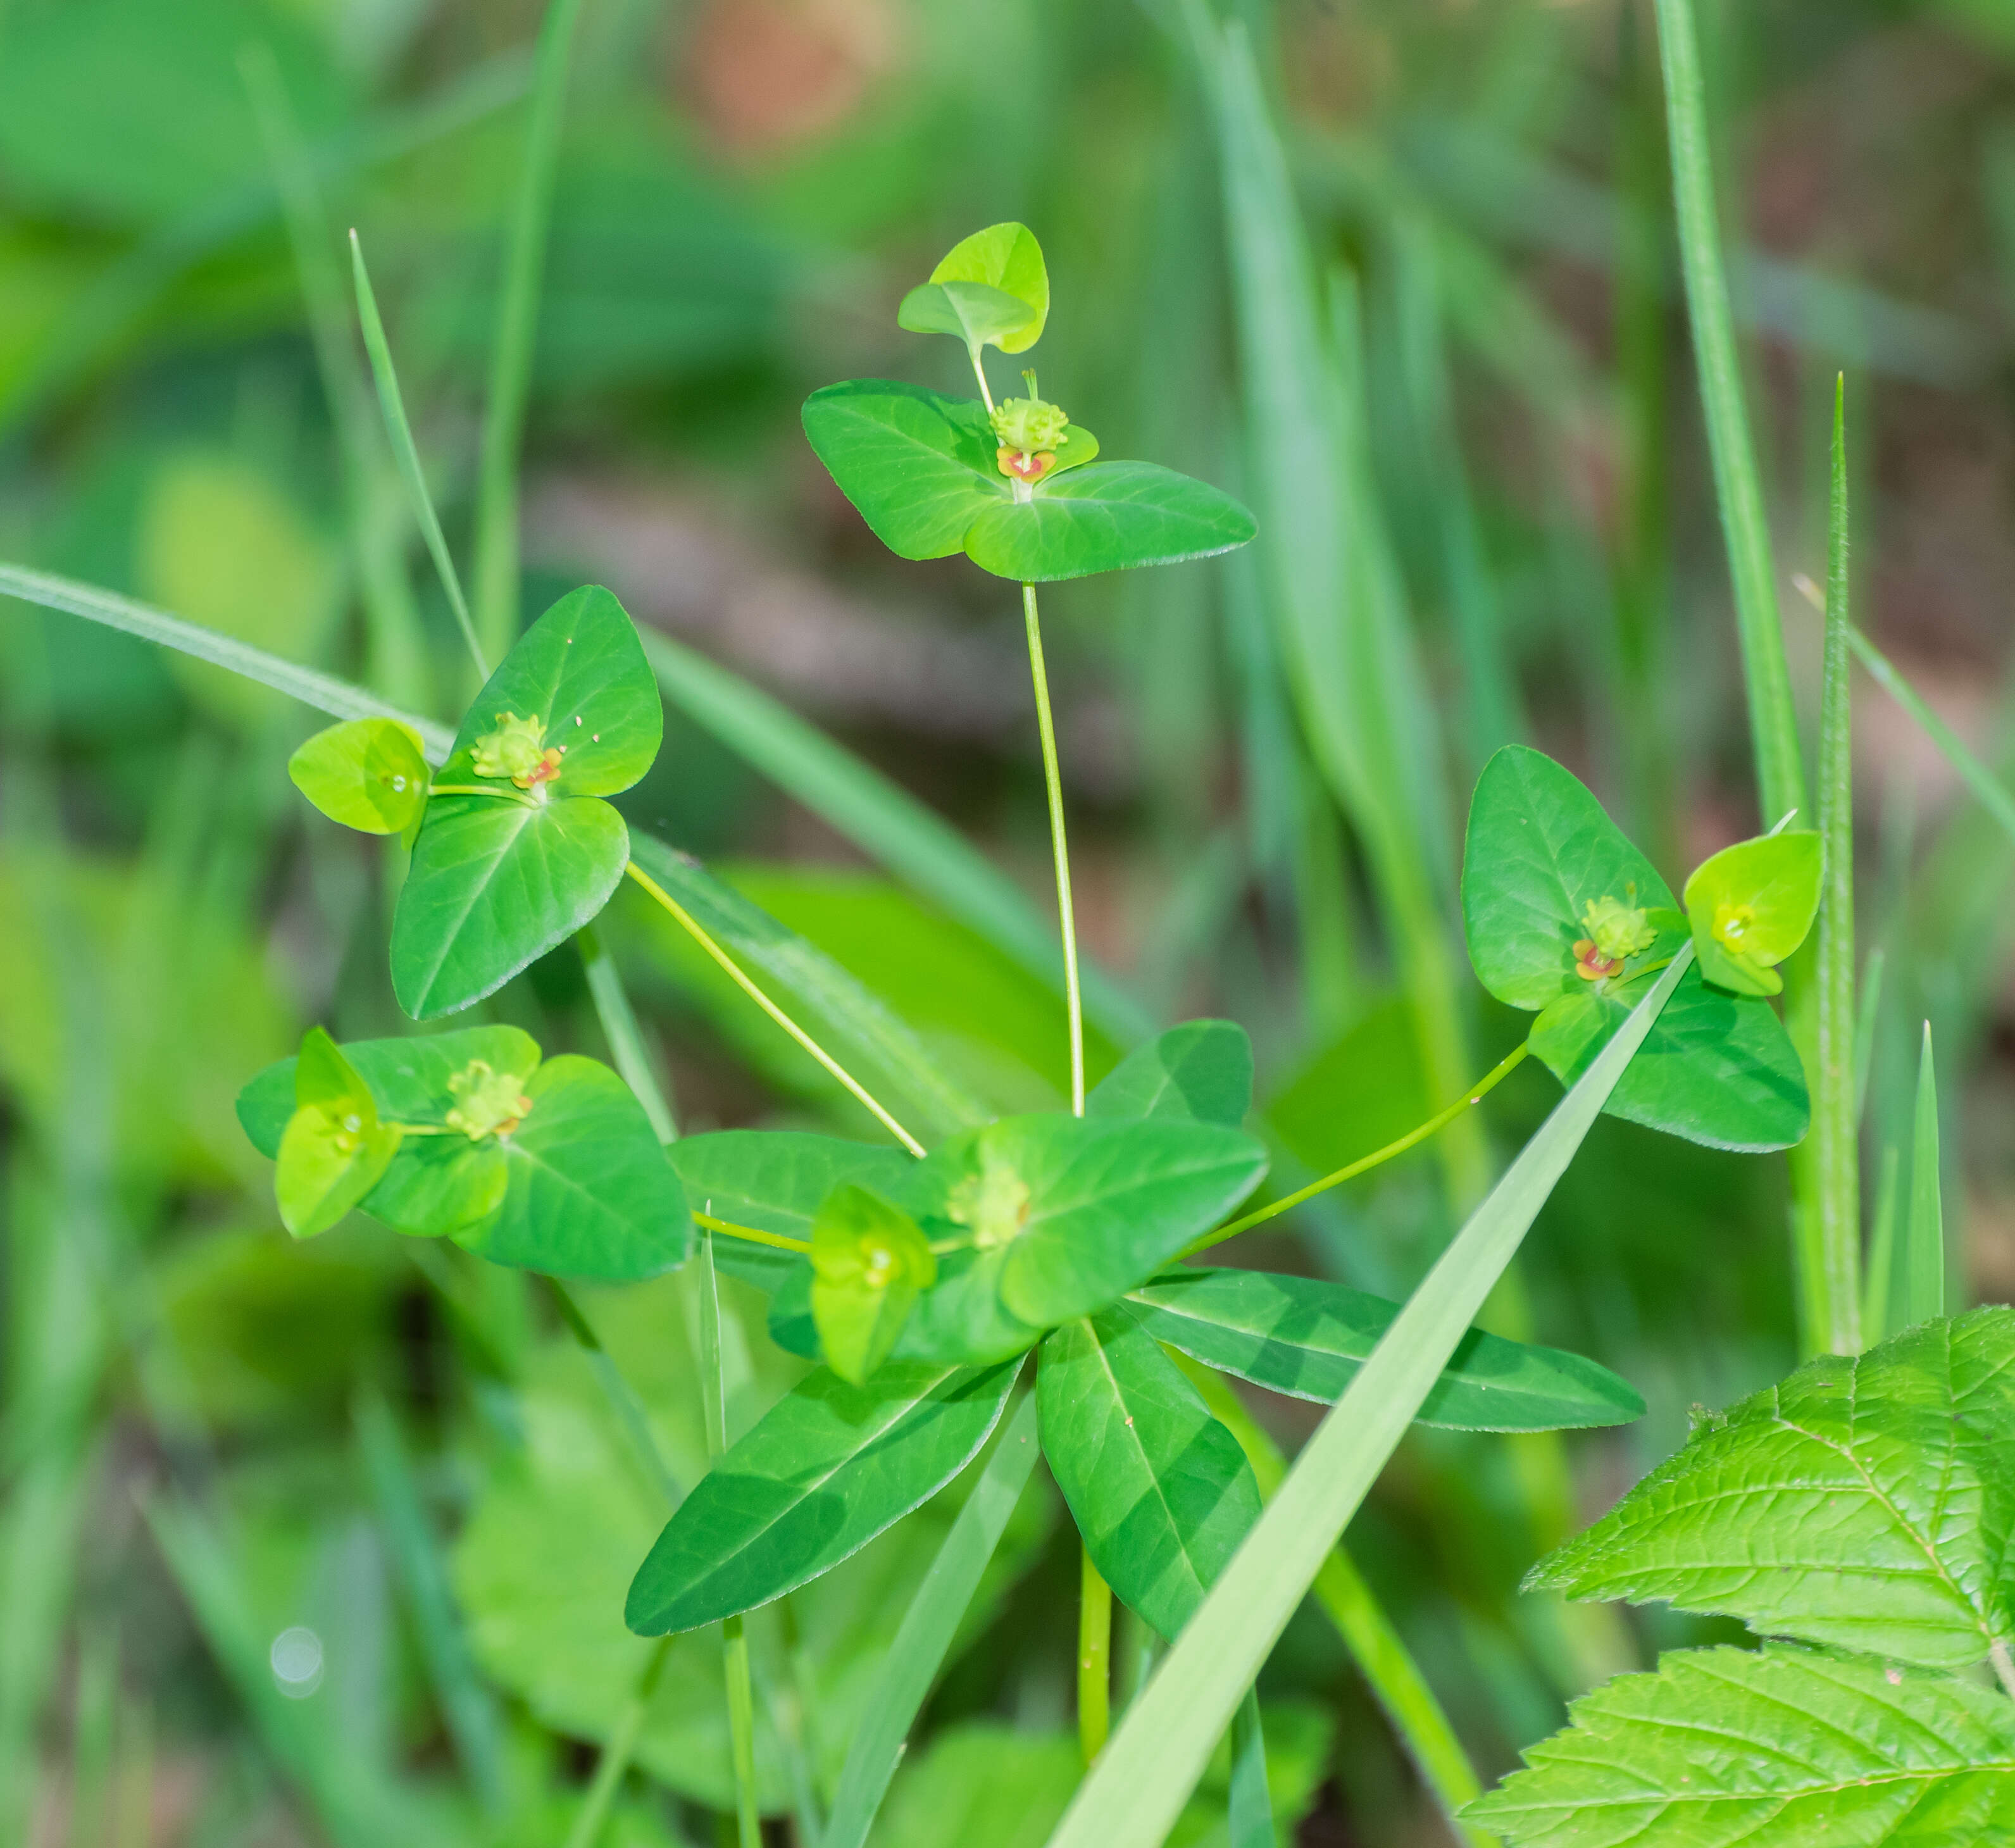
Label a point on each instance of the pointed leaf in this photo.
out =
(1110, 516)
(1775, 1750)
(1201, 1070)
(1751, 905)
(1159, 1489)
(827, 1469)
(367, 774)
(1297, 1336)
(1864, 1503)
(334, 1149)
(919, 466)
(1005, 256)
(1924, 1232)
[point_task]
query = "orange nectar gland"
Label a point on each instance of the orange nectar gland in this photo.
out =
(1029, 432)
(1617, 930)
(517, 748)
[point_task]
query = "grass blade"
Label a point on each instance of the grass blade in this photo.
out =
(392, 401)
(1137, 1790)
(593, 1815)
(466, 1703)
(1837, 1159)
(1249, 1807)
(517, 330)
(928, 1628)
(1924, 1233)
(883, 821)
(324, 692)
(1773, 723)
(1878, 1289)
(626, 1046)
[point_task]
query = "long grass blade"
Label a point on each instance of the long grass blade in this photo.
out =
(927, 1629)
(392, 402)
(517, 331)
(1137, 1790)
(1773, 722)
(1835, 1116)
(885, 822)
(626, 1046)
(1249, 1805)
(592, 1817)
(1878, 1291)
(324, 692)
(1924, 1233)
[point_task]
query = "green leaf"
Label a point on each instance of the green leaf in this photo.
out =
(1545, 870)
(1716, 1069)
(1775, 1750)
(825, 1470)
(590, 1192)
(367, 774)
(1201, 1071)
(1540, 850)
(493, 885)
(972, 312)
(1300, 1336)
(334, 1149)
(1111, 517)
(498, 880)
(1751, 905)
(1864, 1503)
(1007, 257)
(1924, 1231)
(919, 466)
(1160, 1490)
(869, 1263)
(1065, 1214)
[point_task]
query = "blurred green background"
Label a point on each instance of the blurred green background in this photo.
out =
(327, 1542)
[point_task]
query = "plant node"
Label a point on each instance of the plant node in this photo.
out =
(1030, 432)
(492, 1102)
(517, 748)
(993, 1202)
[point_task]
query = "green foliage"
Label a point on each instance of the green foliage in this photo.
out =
(1807, 1748)
(1751, 905)
(1543, 871)
(577, 1184)
(992, 289)
(1160, 1490)
(869, 1264)
(1865, 1504)
(498, 879)
(829, 1468)
(334, 1149)
(1201, 1071)
(367, 774)
(1300, 1336)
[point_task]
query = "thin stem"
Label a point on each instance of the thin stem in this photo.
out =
(517, 328)
(1476, 1093)
(693, 929)
(1094, 1660)
(1053, 778)
(615, 1755)
(979, 372)
(392, 401)
(751, 1234)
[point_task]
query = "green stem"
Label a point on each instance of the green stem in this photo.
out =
(517, 327)
(1380, 1653)
(749, 1234)
(1053, 778)
(693, 928)
(615, 1755)
(979, 372)
(1476, 1093)
(1094, 1660)
(1836, 1153)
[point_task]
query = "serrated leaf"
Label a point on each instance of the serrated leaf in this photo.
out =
(827, 1469)
(1160, 1490)
(1110, 516)
(1864, 1503)
(1781, 1749)
(1299, 1335)
(367, 774)
(1201, 1070)
(497, 879)
(869, 1262)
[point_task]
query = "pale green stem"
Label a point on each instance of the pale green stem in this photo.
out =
(617, 1755)
(517, 328)
(1475, 1095)
(750, 1234)
(1094, 1660)
(1053, 778)
(734, 972)
(979, 372)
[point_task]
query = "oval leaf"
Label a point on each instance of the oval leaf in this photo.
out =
(1301, 1337)
(1110, 516)
(367, 774)
(334, 1149)
(973, 312)
(1160, 1490)
(1201, 1072)
(1751, 905)
(1005, 256)
(827, 1469)
(869, 1262)
(919, 466)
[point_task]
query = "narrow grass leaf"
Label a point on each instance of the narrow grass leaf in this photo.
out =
(928, 1630)
(1249, 1807)
(1924, 1231)
(1879, 1289)
(1136, 1789)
